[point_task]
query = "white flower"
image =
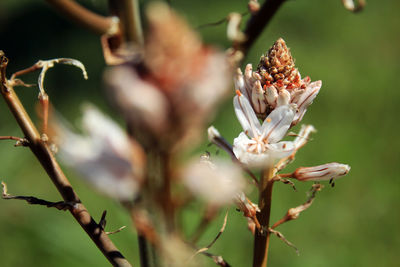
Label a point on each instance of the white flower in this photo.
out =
(322, 172)
(103, 156)
(276, 82)
(218, 183)
(259, 144)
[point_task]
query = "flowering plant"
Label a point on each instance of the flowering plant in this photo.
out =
(166, 85)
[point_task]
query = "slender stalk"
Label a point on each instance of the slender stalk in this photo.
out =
(129, 14)
(143, 251)
(82, 16)
(261, 237)
(42, 152)
(257, 23)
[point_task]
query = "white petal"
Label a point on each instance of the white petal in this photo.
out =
(277, 123)
(306, 100)
(283, 98)
(238, 79)
(240, 149)
(248, 78)
(272, 96)
(216, 182)
(281, 149)
(257, 98)
(103, 158)
(246, 116)
(213, 133)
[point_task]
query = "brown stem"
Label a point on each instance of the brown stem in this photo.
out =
(261, 236)
(257, 22)
(128, 13)
(82, 16)
(42, 152)
(167, 203)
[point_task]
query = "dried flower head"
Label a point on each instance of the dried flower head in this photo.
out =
(180, 79)
(276, 82)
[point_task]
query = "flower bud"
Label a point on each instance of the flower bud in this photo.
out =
(322, 172)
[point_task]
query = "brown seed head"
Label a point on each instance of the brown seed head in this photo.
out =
(277, 67)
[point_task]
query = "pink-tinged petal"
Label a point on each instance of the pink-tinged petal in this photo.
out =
(281, 149)
(140, 102)
(283, 98)
(248, 79)
(322, 172)
(103, 157)
(218, 182)
(271, 96)
(257, 98)
(246, 116)
(306, 100)
(277, 123)
(238, 79)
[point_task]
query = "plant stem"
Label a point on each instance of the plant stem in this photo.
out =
(129, 14)
(82, 16)
(257, 23)
(42, 152)
(261, 237)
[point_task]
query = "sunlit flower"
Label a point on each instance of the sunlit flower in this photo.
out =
(276, 82)
(322, 172)
(260, 144)
(103, 155)
(218, 182)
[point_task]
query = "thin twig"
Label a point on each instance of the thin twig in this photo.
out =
(218, 22)
(217, 259)
(20, 141)
(60, 205)
(282, 237)
(116, 231)
(46, 158)
(294, 213)
(82, 16)
(220, 231)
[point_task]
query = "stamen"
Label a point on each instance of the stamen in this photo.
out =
(238, 93)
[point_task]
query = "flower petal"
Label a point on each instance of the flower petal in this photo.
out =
(281, 149)
(240, 149)
(246, 116)
(238, 80)
(277, 123)
(306, 100)
(218, 183)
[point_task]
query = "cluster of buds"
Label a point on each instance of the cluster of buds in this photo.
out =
(276, 82)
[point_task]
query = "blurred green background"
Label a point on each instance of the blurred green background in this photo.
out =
(356, 223)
